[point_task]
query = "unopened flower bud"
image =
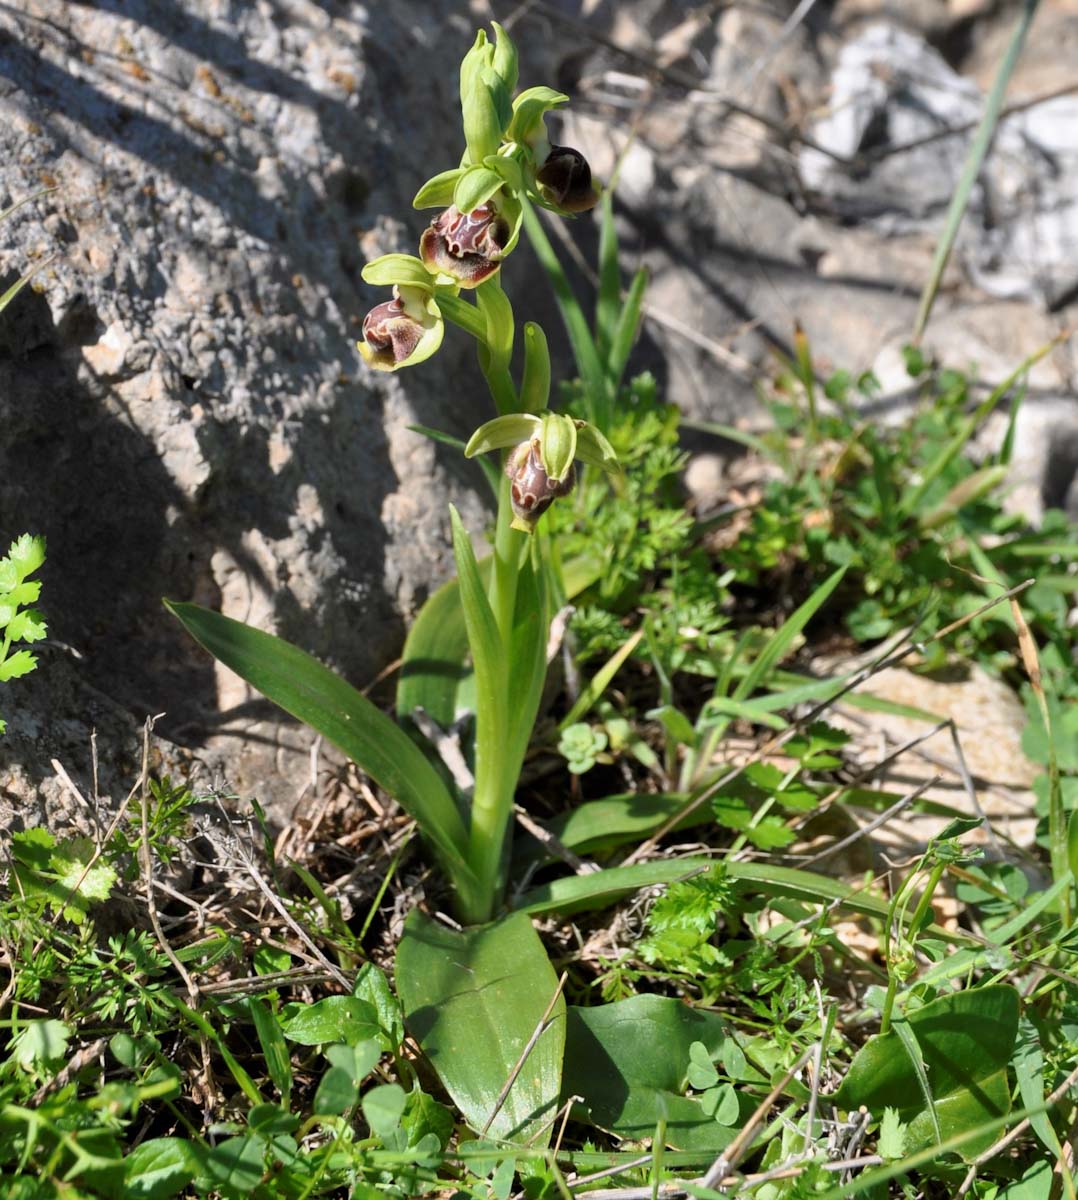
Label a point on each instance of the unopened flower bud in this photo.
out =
(531, 490)
(565, 180)
(466, 246)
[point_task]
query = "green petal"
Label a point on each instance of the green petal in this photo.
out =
(529, 109)
(557, 445)
(509, 430)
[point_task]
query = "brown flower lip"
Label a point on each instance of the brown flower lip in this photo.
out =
(466, 246)
(565, 180)
(531, 490)
(391, 333)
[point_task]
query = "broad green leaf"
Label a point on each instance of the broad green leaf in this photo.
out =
(630, 1062)
(235, 1165)
(338, 1089)
(336, 1019)
(302, 686)
(966, 1039)
(433, 670)
(27, 553)
(26, 627)
(473, 999)
(615, 820)
(159, 1168)
(40, 1042)
(22, 662)
(371, 985)
(383, 1107)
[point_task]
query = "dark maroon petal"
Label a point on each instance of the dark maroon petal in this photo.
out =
(565, 180)
(391, 334)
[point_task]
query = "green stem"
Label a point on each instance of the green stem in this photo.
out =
(935, 875)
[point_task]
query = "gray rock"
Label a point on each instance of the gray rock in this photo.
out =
(182, 409)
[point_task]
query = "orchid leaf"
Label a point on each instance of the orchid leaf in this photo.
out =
(473, 999)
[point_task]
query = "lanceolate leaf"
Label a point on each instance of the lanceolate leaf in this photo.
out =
(473, 1000)
(302, 686)
(579, 893)
(433, 663)
(965, 1040)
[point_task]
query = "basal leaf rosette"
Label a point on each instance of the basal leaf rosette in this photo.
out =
(540, 465)
(408, 328)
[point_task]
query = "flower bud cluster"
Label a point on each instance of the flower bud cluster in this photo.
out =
(508, 160)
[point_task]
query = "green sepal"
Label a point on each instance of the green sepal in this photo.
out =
(505, 431)
(513, 212)
(557, 445)
(505, 58)
(535, 388)
(508, 168)
(592, 448)
(529, 108)
(438, 191)
(474, 187)
(400, 269)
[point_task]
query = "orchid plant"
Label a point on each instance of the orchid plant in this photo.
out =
(493, 973)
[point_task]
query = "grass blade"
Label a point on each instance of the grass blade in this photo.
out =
(600, 682)
(585, 353)
(607, 302)
(773, 653)
(977, 152)
(621, 344)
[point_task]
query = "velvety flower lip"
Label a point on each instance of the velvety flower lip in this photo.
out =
(401, 331)
(565, 180)
(466, 246)
(531, 490)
